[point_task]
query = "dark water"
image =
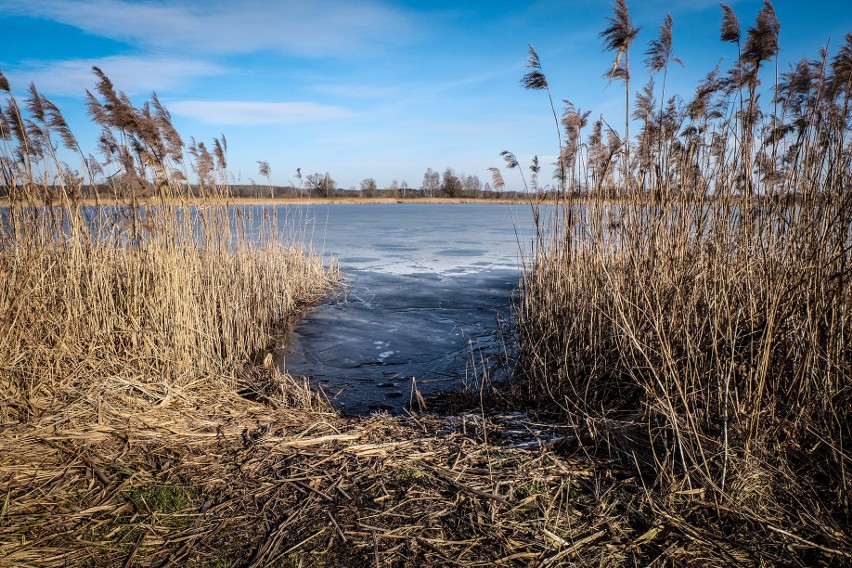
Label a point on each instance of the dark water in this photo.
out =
(426, 284)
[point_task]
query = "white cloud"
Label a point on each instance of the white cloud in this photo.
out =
(249, 113)
(315, 28)
(353, 91)
(132, 74)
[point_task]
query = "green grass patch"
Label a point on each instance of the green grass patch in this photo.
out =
(162, 498)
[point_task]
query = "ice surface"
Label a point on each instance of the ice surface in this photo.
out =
(425, 285)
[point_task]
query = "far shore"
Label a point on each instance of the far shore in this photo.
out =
(337, 200)
(4, 202)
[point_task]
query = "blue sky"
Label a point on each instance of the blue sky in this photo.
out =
(381, 89)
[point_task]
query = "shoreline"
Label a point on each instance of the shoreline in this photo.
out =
(529, 200)
(91, 202)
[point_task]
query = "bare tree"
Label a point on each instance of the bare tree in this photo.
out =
(431, 183)
(451, 185)
(323, 184)
(472, 185)
(368, 187)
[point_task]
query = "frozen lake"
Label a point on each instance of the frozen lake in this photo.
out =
(426, 284)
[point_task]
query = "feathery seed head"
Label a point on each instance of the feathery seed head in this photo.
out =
(34, 103)
(620, 33)
(497, 178)
(645, 103)
(56, 121)
(510, 159)
(730, 25)
(841, 65)
(219, 149)
(660, 50)
(535, 79)
(617, 37)
(762, 41)
(263, 168)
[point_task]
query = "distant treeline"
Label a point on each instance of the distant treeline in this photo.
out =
(104, 191)
(435, 185)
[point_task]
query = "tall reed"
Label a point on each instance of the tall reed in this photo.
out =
(693, 316)
(162, 292)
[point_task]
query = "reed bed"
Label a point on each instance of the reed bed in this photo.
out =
(688, 306)
(143, 421)
(149, 320)
(682, 352)
(169, 289)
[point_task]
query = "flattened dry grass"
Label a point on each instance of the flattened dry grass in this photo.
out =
(240, 484)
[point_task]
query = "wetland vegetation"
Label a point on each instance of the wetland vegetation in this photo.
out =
(682, 366)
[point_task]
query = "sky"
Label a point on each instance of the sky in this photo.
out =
(369, 88)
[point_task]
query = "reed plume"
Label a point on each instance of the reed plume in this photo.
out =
(660, 52)
(535, 168)
(536, 80)
(618, 37)
(730, 31)
(497, 179)
(573, 121)
(263, 168)
(762, 39)
(841, 66)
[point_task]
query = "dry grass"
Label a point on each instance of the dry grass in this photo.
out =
(158, 293)
(698, 331)
(693, 345)
(143, 423)
(237, 484)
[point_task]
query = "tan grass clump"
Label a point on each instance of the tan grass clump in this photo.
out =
(76, 314)
(128, 333)
(168, 291)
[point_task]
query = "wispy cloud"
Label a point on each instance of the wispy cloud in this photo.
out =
(316, 28)
(247, 113)
(355, 91)
(132, 74)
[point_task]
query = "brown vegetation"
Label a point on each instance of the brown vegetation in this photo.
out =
(142, 420)
(685, 320)
(698, 331)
